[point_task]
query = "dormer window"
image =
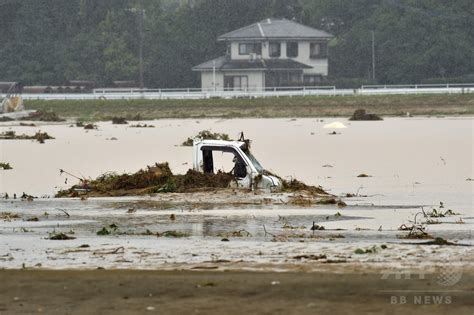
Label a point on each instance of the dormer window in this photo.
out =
(292, 49)
(318, 50)
(250, 48)
(274, 50)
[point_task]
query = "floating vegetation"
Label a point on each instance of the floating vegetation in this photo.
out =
(172, 233)
(292, 227)
(316, 227)
(431, 221)
(438, 213)
(90, 126)
(60, 236)
(11, 135)
(371, 250)
(295, 185)
(142, 126)
(239, 233)
(310, 257)
(119, 121)
(107, 230)
(8, 216)
(361, 115)
(5, 166)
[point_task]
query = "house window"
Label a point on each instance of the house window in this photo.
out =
(274, 50)
(318, 50)
(311, 79)
(250, 48)
(227, 159)
(236, 82)
(292, 49)
(294, 78)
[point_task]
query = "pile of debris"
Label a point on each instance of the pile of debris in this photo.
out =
(295, 185)
(154, 179)
(208, 135)
(160, 179)
(38, 136)
(119, 121)
(361, 114)
(5, 166)
(41, 115)
(142, 126)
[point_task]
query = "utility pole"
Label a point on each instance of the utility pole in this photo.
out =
(373, 55)
(214, 75)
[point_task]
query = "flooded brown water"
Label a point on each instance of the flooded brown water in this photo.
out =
(411, 160)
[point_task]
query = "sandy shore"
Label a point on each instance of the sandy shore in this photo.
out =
(173, 292)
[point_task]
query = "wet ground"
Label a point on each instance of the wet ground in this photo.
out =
(204, 292)
(412, 163)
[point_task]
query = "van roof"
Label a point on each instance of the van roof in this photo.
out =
(219, 142)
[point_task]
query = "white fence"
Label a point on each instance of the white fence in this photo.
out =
(193, 93)
(448, 88)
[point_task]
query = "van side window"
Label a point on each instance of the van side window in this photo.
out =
(224, 159)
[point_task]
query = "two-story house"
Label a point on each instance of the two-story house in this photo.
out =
(270, 53)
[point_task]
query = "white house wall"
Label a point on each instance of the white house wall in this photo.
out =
(319, 66)
(207, 80)
(234, 52)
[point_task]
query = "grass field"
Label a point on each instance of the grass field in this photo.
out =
(309, 106)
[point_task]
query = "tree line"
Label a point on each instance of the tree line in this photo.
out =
(48, 42)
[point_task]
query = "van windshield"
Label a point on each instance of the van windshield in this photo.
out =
(255, 163)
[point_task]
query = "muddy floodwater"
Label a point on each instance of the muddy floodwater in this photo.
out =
(410, 162)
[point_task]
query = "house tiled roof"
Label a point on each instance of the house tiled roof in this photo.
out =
(224, 63)
(275, 29)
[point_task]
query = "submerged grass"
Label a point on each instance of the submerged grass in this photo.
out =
(308, 106)
(38, 136)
